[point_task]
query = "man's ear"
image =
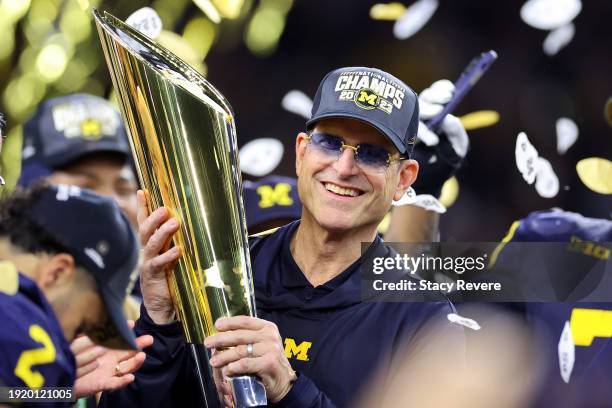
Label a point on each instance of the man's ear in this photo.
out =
(57, 268)
(300, 149)
(407, 176)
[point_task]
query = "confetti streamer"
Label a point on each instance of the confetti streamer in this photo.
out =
(558, 38)
(389, 12)
(596, 174)
(147, 21)
(547, 182)
(450, 192)
(526, 156)
(297, 102)
(550, 14)
(567, 134)
(260, 156)
(415, 17)
(479, 119)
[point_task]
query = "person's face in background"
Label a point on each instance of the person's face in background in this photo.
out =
(107, 174)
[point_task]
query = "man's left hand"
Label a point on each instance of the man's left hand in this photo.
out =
(266, 360)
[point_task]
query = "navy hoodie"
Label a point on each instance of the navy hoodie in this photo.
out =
(333, 339)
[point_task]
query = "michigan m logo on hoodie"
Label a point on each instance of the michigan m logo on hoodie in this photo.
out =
(300, 352)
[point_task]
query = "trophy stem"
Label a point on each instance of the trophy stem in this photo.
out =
(205, 376)
(248, 391)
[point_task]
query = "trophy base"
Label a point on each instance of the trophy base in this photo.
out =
(248, 391)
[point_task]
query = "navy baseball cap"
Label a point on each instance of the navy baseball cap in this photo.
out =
(67, 128)
(271, 198)
(99, 237)
(556, 225)
(371, 96)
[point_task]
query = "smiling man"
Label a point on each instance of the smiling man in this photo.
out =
(316, 342)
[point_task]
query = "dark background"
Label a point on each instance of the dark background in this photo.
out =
(529, 89)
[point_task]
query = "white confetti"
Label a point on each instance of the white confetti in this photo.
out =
(567, 352)
(567, 133)
(550, 14)
(147, 21)
(463, 321)
(558, 38)
(297, 102)
(415, 17)
(547, 182)
(425, 201)
(408, 198)
(260, 156)
(526, 156)
(430, 203)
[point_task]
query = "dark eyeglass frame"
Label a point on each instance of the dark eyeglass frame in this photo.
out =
(382, 164)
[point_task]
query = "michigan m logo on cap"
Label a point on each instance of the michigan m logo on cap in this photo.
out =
(277, 195)
(91, 129)
(367, 99)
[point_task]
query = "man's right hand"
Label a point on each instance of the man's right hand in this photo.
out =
(155, 231)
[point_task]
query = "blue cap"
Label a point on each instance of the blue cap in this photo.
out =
(371, 96)
(67, 128)
(556, 225)
(99, 237)
(271, 198)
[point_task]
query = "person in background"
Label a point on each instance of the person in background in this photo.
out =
(67, 260)
(439, 156)
(574, 314)
(80, 139)
(271, 202)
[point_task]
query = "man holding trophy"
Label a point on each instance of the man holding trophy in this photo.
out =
(283, 313)
(314, 342)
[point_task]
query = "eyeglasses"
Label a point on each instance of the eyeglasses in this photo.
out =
(371, 157)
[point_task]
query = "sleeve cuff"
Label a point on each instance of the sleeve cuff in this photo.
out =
(303, 393)
(146, 325)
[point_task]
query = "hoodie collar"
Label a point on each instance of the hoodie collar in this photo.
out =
(294, 278)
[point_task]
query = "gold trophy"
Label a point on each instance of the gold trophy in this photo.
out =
(183, 140)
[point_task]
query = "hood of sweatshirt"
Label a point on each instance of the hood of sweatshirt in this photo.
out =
(280, 285)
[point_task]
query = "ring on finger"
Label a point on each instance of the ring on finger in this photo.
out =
(250, 349)
(118, 372)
